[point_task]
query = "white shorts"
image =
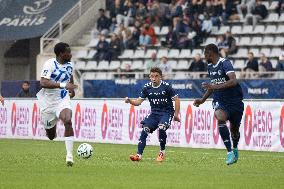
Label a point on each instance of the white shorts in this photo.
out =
(50, 113)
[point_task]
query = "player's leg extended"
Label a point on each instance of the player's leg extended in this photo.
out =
(222, 117)
(65, 116)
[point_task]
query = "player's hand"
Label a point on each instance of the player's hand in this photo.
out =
(207, 86)
(2, 100)
(127, 100)
(176, 118)
(71, 93)
(197, 102)
(71, 86)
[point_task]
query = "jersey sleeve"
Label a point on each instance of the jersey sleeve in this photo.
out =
(46, 70)
(172, 93)
(228, 67)
(143, 93)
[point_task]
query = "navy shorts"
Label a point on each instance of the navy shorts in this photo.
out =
(234, 111)
(153, 121)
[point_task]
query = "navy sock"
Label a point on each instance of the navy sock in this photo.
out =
(142, 142)
(162, 139)
(225, 135)
(235, 139)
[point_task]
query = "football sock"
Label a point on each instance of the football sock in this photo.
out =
(225, 135)
(235, 139)
(69, 145)
(142, 142)
(162, 139)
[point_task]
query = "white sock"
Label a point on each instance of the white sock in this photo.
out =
(163, 151)
(69, 145)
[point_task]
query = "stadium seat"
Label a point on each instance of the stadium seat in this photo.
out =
(81, 54)
(102, 76)
(272, 17)
(91, 65)
(196, 51)
(281, 18)
(247, 29)
(150, 52)
(279, 41)
(255, 52)
(93, 43)
(157, 30)
(242, 53)
(270, 29)
(223, 30)
(274, 62)
(137, 65)
(256, 41)
(164, 30)
(182, 65)
(173, 53)
(173, 63)
(266, 51)
(266, 4)
(259, 29)
(209, 40)
(180, 75)
(267, 40)
(114, 65)
(102, 65)
(239, 64)
(162, 52)
(80, 65)
(280, 29)
(244, 41)
(91, 54)
(89, 75)
(125, 63)
(139, 53)
(275, 52)
(236, 30)
(128, 53)
(185, 53)
(273, 5)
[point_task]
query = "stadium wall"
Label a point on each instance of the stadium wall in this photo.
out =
(113, 121)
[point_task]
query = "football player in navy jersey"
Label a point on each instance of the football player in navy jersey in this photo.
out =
(227, 99)
(160, 95)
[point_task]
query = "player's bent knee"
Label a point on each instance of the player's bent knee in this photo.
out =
(147, 129)
(162, 127)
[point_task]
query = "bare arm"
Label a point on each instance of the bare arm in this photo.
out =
(46, 83)
(200, 101)
(177, 109)
(71, 91)
(136, 102)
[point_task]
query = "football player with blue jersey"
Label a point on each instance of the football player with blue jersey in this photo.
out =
(54, 97)
(160, 95)
(227, 99)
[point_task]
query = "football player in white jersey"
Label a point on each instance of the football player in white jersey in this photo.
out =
(54, 97)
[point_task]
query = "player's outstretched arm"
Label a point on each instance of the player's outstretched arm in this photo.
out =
(46, 83)
(2, 100)
(136, 102)
(177, 109)
(228, 84)
(200, 101)
(71, 91)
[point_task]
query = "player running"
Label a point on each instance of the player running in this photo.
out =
(227, 99)
(160, 94)
(54, 97)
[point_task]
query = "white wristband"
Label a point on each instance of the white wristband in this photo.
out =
(62, 85)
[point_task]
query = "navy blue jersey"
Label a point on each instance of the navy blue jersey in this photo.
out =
(160, 97)
(218, 75)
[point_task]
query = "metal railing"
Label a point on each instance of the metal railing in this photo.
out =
(53, 35)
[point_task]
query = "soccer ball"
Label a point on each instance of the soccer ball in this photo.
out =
(85, 151)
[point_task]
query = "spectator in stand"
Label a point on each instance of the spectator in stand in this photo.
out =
(264, 64)
(171, 39)
(206, 26)
(223, 45)
(126, 13)
(154, 62)
(166, 68)
(232, 44)
(115, 48)
(259, 12)
(280, 7)
(102, 49)
(141, 12)
(176, 9)
(133, 42)
(280, 63)
(147, 36)
(251, 66)
(245, 7)
(103, 24)
(197, 64)
(25, 91)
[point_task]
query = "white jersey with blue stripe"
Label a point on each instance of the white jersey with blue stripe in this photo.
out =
(59, 73)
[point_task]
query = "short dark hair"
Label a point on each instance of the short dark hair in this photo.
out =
(213, 48)
(60, 48)
(156, 69)
(26, 82)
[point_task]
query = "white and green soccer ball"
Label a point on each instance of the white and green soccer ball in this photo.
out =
(85, 151)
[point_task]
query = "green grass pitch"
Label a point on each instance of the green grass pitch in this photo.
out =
(32, 164)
